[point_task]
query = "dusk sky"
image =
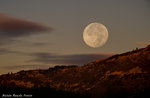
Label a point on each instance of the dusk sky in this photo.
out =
(42, 33)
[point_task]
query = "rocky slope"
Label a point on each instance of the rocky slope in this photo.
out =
(124, 75)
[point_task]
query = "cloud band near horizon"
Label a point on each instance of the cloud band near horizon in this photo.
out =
(73, 59)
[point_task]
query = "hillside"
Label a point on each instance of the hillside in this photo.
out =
(124, 75)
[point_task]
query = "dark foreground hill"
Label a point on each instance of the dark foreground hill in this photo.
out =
(125, 75)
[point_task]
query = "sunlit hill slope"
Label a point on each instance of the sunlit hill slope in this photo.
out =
(124, 75)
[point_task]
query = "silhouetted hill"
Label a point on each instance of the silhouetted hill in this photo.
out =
(124, 75)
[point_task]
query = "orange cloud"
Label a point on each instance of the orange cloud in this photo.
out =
(142, 43)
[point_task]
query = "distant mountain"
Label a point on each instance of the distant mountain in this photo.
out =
(124, 75)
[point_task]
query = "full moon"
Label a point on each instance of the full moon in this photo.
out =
(95, 35)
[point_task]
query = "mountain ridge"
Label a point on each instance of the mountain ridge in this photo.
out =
(122, 75)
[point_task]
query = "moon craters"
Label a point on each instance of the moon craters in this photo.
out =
(95, 35)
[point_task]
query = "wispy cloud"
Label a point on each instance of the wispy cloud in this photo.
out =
(38, 44)
(6, 51)
(11, 27)
(79, 59)
(28, 66)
